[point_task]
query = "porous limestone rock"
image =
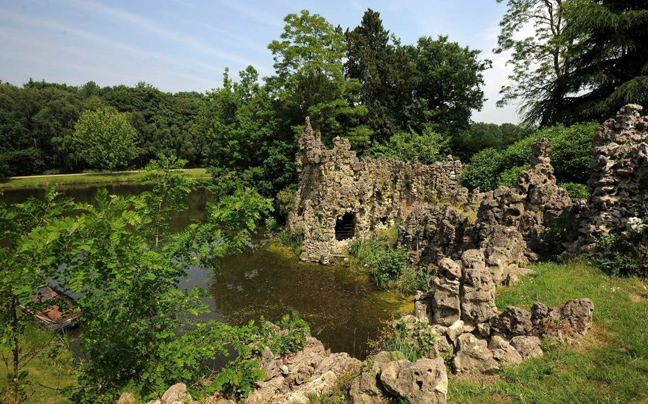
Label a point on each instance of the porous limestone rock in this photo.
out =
(473, 355)
(566, 324)
(503, 351)
(293, 377)
(424, 381)
(618, 183)
(372, 193)
(444, 301)
(511, 322)
(527, 346)
(127, 398)
(177, 394)
(478, 291)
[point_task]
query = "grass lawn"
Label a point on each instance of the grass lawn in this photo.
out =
(49, 372)
(45, 181)
(610, 365)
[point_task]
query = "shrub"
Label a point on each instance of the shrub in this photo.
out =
(293, 239)
(427, 147)
(484, 169)
(415, 340)
(623, 254)
(286, 201)
(291, 337)
(575, 191)
(572, 150)
(510, 177)
(385, 262)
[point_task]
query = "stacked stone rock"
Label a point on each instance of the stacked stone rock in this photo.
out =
(378, 192)
(472, 258)
(618, 183)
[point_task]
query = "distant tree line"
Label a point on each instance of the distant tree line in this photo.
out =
(361, 83)
(586, 59)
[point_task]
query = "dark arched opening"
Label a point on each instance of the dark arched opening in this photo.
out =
(345, 227)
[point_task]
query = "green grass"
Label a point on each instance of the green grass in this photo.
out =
(45, 181)
(610, 365)
(49, 372)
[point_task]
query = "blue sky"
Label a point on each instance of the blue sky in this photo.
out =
(185, 45)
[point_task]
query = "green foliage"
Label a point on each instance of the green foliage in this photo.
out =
(575, 191)
(509, 177)
(30, 250)
(140, 330)
(570, 156)
(415, 340)
(37, 124)
(286, 201)
(385, 263)
(623, 254)
(584, 61)
(480, 136)
(484, 170)
(309, 78)
(246, 144)
(383, 68)
(52, 367)
(171, 186)
(293, 238)
(239, 377)
(448, 80)
(290, 338)
(427, 147)
(538, 60)
(105, 139)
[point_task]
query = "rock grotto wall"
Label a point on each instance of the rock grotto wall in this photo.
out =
(335, 186)
(469, 246)
(505, 226)
(618, 183)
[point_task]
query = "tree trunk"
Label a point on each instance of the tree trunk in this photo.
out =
(16, 352)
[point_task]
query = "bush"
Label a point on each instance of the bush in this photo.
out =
(572, 151)
(386, 263)
(427, 147)
(483, 170)
(291, 338)
(286, 201)
(623, 254)
(575, 191)
(510, 177)
(292, 239)
(415, 340)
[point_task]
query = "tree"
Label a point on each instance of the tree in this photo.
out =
(310, 78)
(30, 252)
(105, 138)
(140, 331)
(426, 147)
(384, 70)
(586, 59)
(609, 66)
(245, 136)
(480, 136)
(538, 60)
(447, 85)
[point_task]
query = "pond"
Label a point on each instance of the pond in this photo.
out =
(342, 307)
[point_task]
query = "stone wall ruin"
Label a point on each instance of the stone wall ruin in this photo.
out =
(339, 191)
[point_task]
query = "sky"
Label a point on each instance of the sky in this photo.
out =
(185, 45)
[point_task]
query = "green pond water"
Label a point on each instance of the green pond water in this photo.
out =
(342, 307)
